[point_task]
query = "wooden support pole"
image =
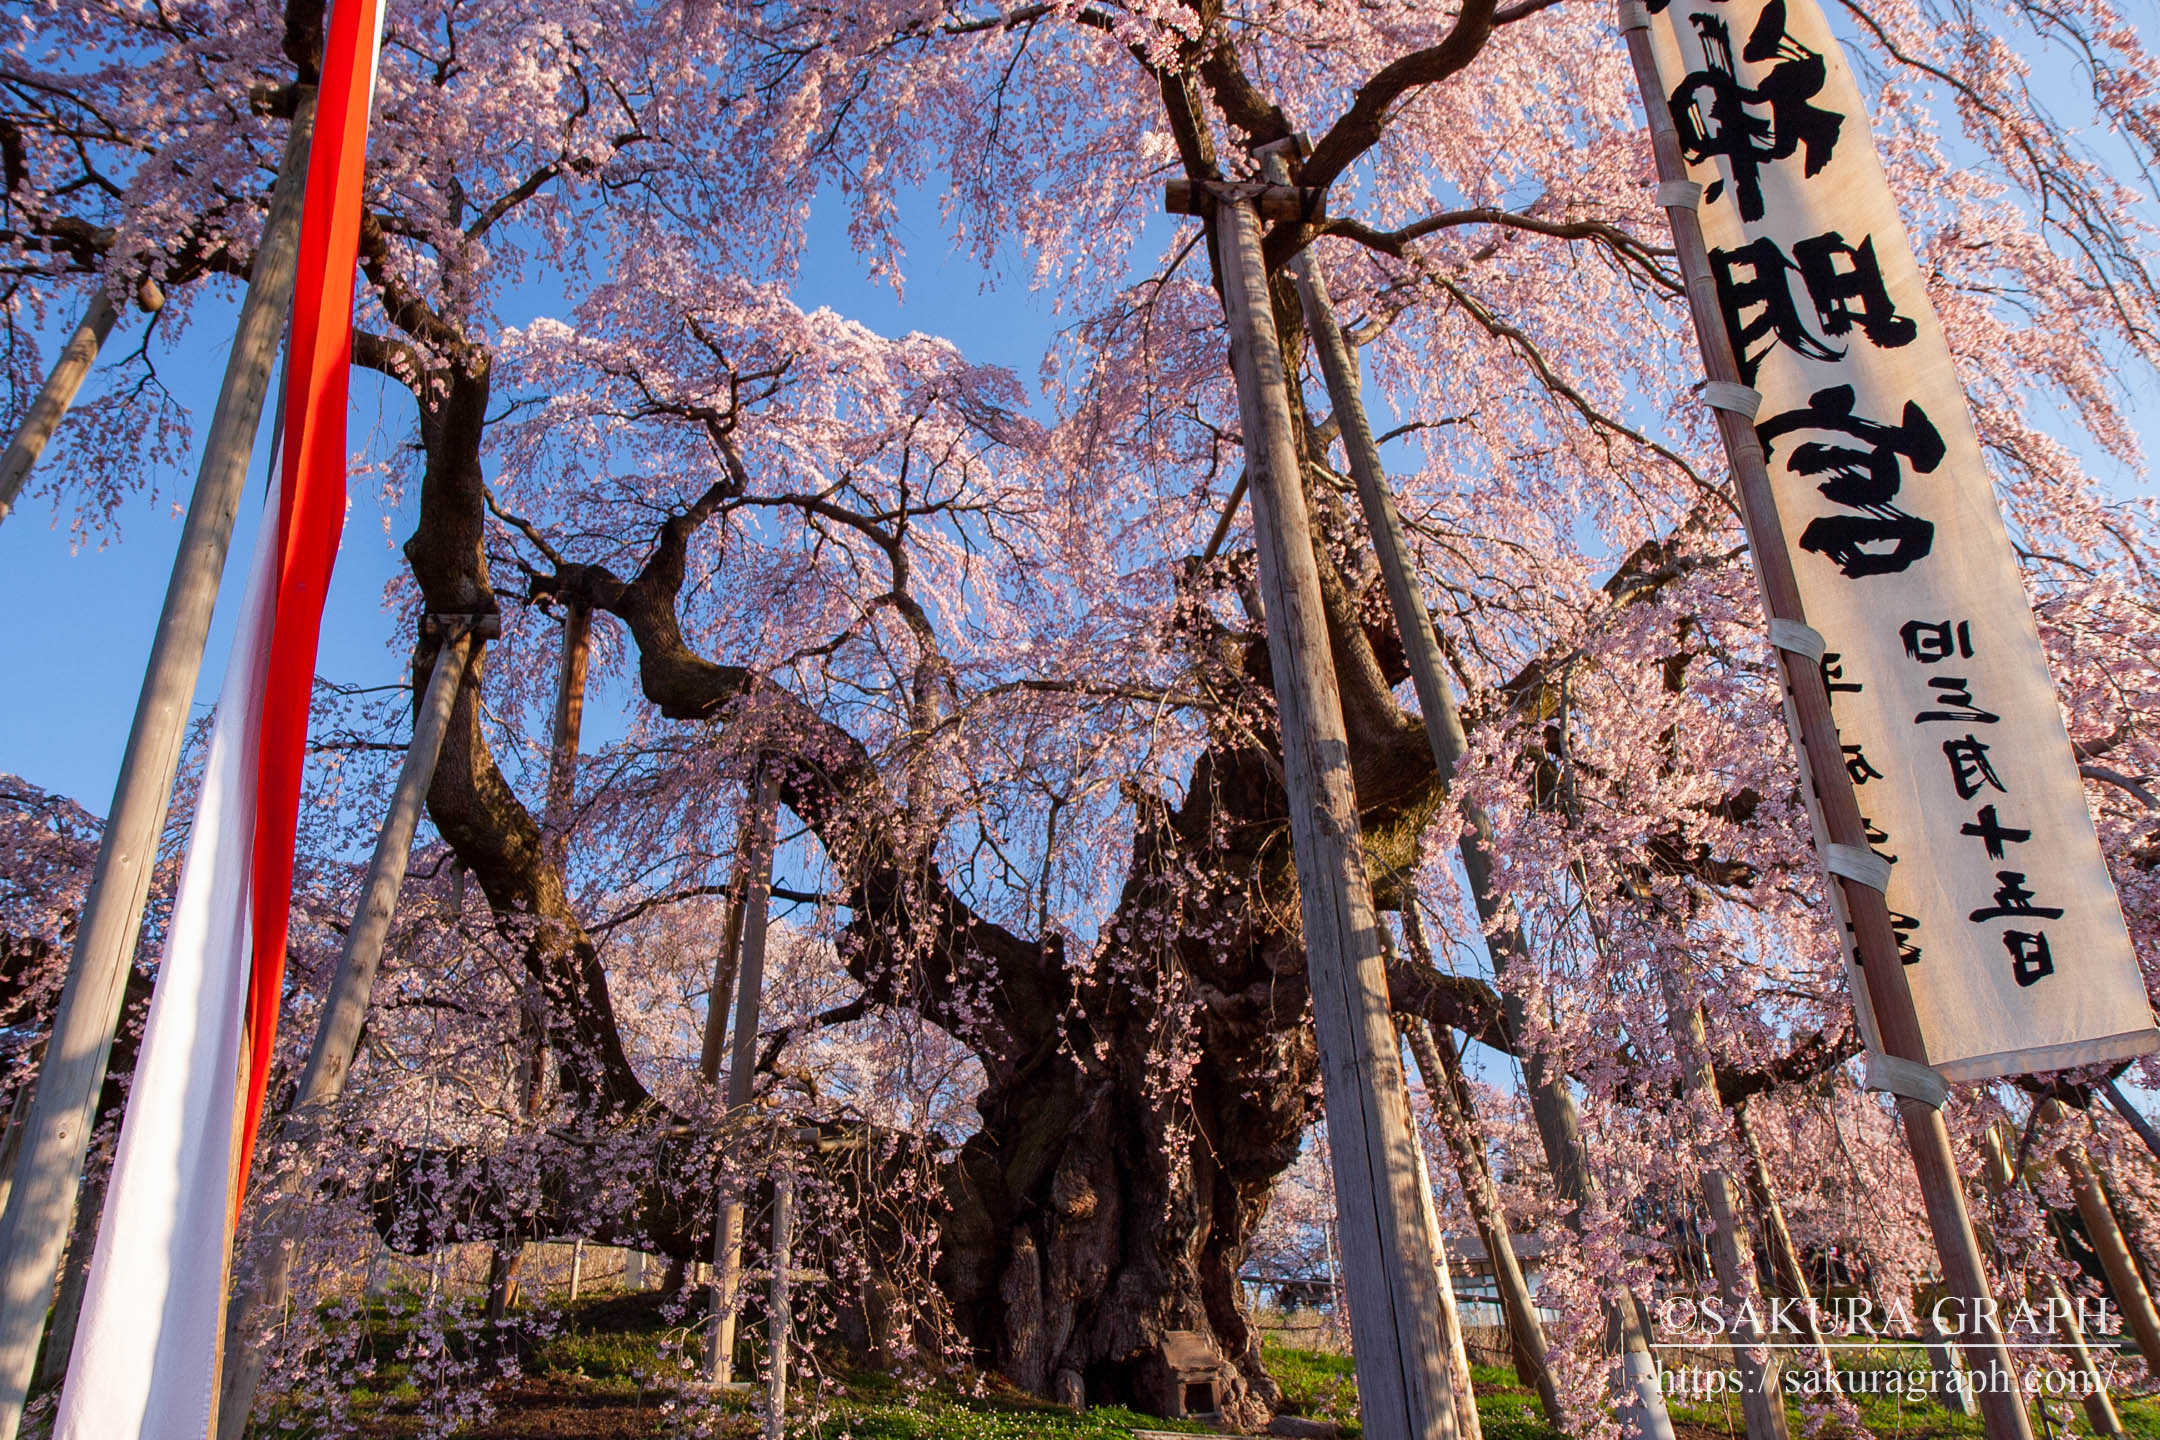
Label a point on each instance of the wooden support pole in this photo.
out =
(742, 1070)
(1822, 768)
(2138, 1122)
(569, 723)
(65, 1106)
(2100, 1410)
(11, 1144)
(1274, 200)
(1552, 1104)
(506, 1265)
(51, 406)
(1401, 1365)
(1449, 1092)
(1777, 1235)
(1467, 1423)
(779, 1305)
(263, 1291)
(2132, 1298)
(1732, 1253)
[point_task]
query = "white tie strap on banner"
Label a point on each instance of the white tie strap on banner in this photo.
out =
(2006, 916)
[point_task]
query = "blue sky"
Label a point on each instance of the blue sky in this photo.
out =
(82, 620)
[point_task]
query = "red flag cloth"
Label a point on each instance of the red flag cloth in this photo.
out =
(311, 508)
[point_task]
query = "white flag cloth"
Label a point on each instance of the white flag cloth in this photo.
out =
(2015, 943)
(144, 1365)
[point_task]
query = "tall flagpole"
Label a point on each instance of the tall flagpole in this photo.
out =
(1919, 1090)
(63, 1110)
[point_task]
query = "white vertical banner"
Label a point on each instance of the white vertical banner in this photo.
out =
(2017, 953)
(144, 1366)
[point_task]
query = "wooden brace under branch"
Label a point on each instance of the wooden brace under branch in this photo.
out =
(1275, 202)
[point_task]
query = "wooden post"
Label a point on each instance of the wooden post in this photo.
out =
(74, 1282)
(1784, 1255)
(729, 956)
(1467, 1423)
(1552, 1104)
(780, 1315)
(262, 1293)
(1822, 768)
(2105, 1231)
(1732, 1255)
(1401, 1366)
(1445, 1085)
(2100, 1410)
(2138, 1122)
(52, 402)
(64, 1108)
(11, 1145)
(742, 1070)
(569, 722)
(577, 1266)
(506, 1262)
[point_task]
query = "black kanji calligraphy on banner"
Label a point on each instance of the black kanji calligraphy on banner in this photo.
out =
(2006, 919)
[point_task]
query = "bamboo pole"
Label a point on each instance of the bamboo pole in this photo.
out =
(1823, 769)
(1552, 1104)
(1762, 1402)
(1784, 1255)
(262, 1294)
(51, 406)
(1449, 1093)
(1467, 1423)
(1401, 1366)
(64, 1108)
(742, 1070)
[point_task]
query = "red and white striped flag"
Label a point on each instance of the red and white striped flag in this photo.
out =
(147, 1346)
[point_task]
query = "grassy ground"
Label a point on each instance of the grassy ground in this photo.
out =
(616, 1370)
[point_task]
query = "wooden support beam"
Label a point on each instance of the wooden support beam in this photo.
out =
(1467, 1423)
(1635, 1380)
(779, 1305)
(1777, 1236)
(2137, 1122)
(51, 406)
(1401, 1365)
(2100, 1410)
(1822, 769)
(1732, 1252)
(262, 1292)
(506, 1265)
(64, 1108)
(742, 1070)
(2132, 1299)
(569, 725)
(1274, 201)
(1449, 1092)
